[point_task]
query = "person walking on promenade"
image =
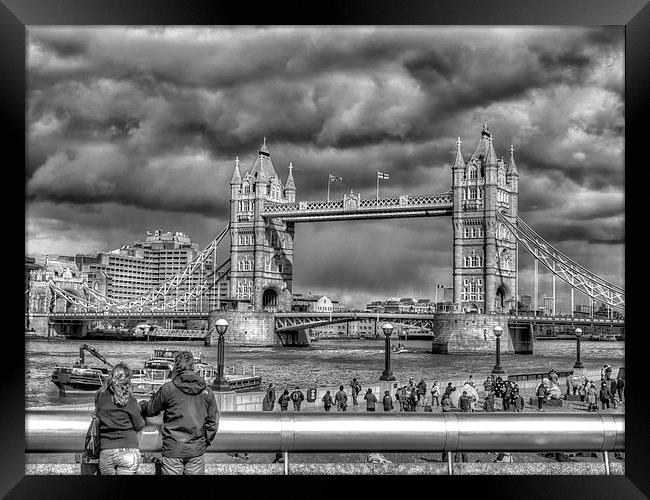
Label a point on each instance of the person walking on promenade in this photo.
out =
(190, 418)
(620, 386)
(445, 402)
(269, 399)
(507, 395)
(591, 398)
(283, 400)
(119, 420)
(356, 389)
(400, 396)
(488, 404)
(327, 401)
(541, 392)
(371, 400)
(582, 390)
(413, 399)
(449, 389)
(297, 397)
(388, 401)
(605, 395)
(568, 386)
(465, 402)
(518, 402)
(612, 391)
(422, 390)
(435, 393)
(341, 400)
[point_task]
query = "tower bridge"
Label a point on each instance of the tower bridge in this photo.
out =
(483, 207)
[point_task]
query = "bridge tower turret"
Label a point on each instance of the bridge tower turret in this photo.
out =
(484, 269)
(261, 249)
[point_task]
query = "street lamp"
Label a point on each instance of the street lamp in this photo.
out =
(497, 370)
(387, 328)
(578, 334)
(220, 383)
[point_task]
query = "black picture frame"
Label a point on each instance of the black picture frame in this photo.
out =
(15, 15)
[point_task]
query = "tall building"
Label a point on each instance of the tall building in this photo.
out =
(135, 269)
(548, 305)
(484, 250)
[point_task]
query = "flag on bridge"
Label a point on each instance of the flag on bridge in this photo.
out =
(334, 178)
(382, 175)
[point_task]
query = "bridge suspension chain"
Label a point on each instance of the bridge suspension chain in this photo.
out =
(161, 298)
(563, 267)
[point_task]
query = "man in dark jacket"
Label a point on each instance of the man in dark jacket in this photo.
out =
(388, 401)
(422, 390)
(488, 404)
(356, 389)
(371, 400)
(297, 397)
(465, 402)
(269, 400)
(283, 400)
(620, 385)
(190, 418)
(341, 400)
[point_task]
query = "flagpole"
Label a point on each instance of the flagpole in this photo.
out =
(377, 185)
(329, 180)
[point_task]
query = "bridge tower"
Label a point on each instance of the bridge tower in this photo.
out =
(485, 253)
(261, 250)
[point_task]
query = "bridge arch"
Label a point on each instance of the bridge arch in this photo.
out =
(271, 298)
(502, 296)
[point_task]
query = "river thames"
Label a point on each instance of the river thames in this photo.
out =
(323, 363)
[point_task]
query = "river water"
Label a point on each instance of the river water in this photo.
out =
(323, 363)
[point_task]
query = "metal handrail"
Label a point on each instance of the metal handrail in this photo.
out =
(65, 430)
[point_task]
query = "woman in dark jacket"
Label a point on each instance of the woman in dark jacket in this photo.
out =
(119, 420)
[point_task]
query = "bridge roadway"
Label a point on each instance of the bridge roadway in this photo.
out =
(301, 320)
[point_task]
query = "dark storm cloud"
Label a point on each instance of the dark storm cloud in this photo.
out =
(148, 121)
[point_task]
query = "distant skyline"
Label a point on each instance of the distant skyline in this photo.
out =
(136, 129)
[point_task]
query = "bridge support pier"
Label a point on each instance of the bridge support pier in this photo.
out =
(246, 328)
(460, 333)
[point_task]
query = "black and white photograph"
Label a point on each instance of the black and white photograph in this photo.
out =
(325, 250)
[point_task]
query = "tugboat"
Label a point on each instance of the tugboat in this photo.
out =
(81, 379)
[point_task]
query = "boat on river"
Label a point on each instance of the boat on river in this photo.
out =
(158, 368)
(80, 378)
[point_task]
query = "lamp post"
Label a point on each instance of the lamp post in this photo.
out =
(387, 328)
(220, 383)
(578, 334)
(497, 370)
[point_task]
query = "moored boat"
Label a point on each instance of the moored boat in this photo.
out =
(158, 370)
(79, 378)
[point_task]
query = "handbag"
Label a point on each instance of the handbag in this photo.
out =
(92, 442)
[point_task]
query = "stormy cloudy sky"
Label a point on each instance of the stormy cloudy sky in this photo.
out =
(135, 129)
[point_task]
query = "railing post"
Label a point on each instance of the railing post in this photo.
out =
(449, 465)
(606, 456)
(286, 463)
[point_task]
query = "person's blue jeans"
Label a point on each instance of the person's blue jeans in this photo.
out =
(119, 461)
(182, 466)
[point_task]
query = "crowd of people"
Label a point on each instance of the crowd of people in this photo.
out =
(191, 416)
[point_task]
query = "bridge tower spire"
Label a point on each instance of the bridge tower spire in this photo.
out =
(484, 269)
(261, 249)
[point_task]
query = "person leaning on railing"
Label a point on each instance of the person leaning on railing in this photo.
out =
(119, 420)
(190, 418)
